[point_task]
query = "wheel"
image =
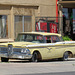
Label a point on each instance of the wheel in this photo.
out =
(35, 57)
(4, 59)
(65, 56)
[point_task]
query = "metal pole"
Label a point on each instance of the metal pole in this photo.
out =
(23, 22)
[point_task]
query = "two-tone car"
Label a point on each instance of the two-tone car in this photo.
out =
(37, 46)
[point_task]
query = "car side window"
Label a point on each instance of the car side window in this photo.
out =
(39, 38)
(55, 39)
(48, 39)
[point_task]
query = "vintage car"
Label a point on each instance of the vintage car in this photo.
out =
(36, 46)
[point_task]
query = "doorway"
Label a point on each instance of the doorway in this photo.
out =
(69, 22)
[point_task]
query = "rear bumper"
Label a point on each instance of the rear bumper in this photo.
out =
(16, 56)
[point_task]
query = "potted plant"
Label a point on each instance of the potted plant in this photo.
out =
(66, 38)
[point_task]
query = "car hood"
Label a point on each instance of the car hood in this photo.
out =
(18, 44)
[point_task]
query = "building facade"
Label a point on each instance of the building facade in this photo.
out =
(19, 16)
(67, 10)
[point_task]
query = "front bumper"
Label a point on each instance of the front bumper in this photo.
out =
(15, 53)
(16, 56)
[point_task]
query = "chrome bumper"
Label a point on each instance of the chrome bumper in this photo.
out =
(16, 56)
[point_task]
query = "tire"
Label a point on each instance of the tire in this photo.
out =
(4, 59)
(35, 57)
(65, 56)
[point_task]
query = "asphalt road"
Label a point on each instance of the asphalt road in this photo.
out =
(16, 67)
(62, 73)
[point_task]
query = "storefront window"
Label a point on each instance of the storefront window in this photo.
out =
(65, 12)
(66, 22)
(22, 24)
(18, 25)
(27, 23)
(3, 26)
(69, 22)
(73, 21)
(68, 0)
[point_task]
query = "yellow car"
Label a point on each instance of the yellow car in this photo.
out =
(36, 46)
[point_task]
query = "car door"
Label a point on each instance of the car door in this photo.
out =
(55, 51)
(48, 49)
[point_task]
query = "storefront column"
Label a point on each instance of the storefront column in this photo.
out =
(33, 20)
(9, 26)
(12, 23)
(60, 20)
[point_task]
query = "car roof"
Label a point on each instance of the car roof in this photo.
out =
(40, 33)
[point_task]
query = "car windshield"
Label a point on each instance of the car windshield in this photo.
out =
(30, 38)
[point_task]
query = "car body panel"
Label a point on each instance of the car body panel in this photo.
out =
(50, 51)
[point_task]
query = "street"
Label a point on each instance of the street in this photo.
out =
(60, 73)
(19, 67)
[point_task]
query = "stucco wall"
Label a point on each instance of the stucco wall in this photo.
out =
(4, 10)
(46, 7)
(32, 2)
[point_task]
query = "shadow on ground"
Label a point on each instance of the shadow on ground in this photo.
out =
(27, 61)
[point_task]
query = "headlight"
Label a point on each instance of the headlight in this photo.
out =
(26, 51)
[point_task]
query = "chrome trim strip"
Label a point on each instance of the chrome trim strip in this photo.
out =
(65, 43)
(17, 56)
(2, 45)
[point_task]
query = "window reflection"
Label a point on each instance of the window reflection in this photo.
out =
(22, 24)
(30, 38)
(3, 26)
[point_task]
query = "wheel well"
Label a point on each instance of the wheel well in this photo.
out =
(70, 54)
(39, 54)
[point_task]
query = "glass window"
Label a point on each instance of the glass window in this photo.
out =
(68, 0)
(48, 39)
(55, 39)
(30, 38)
(27, 23)
(18, 25)
(65, 12)
(3, 26)
(22, 24)
(52, 39)
(73, 16)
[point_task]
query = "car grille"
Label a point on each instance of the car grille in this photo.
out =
(16, 50)
(10, 50)
(3, 50)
